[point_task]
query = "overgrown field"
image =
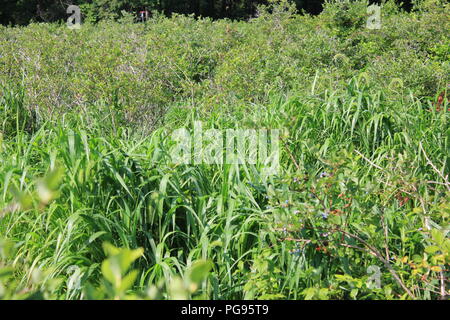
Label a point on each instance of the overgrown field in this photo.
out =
(93, 207)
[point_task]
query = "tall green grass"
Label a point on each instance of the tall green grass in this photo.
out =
(354, 165)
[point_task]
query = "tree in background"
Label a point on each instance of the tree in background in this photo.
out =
(20, 12)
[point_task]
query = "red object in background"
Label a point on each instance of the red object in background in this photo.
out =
(143, 15)
(441, 98)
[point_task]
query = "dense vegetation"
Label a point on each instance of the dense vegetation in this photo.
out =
(88, 189)
(24, 11)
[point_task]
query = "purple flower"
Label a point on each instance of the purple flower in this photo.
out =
(324, 174)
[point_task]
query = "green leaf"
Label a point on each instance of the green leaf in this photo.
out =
(437, 236)
(309, 293)
(199, 271)
(431, 249)
(128, 280)
(96, 236)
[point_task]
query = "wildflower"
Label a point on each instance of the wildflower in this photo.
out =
(285, 204)
(324, 174)
(324, 215)
(324, 249)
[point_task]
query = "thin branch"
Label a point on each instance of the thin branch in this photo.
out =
(374, 252)
(445, 178)
(382, 259)
(290, 154)
(442, 287)
(369, 161)
(386, 237)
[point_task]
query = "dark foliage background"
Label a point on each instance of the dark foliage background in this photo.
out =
(21, 12)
